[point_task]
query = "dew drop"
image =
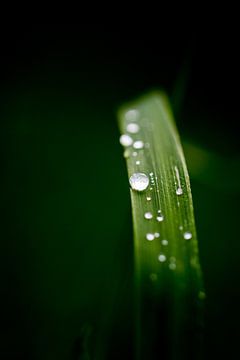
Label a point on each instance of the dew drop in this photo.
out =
(133, 128)
(160, 218)
(132, 115)
(156, 234)
(179, 191)
(149, 198)
(150, 237)
(134, 154)
(126, 154)
(153, 277)
(151, 174)
(139, 181)
(201, 295)
(187, 235)
(162, 258)
(164, 242)
(172, 266)
(148, 215)
(151, 188)
(180, 227)
(139, 144)
(137, 162)
(126, 140)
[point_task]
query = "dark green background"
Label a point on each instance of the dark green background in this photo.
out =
(66, 234)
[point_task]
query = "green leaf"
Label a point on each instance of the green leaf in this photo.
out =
(169, 290)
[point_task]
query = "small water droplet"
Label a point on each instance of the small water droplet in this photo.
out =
(156, 234)
(172, 266)
(180, 227)
(164, 242)
(148, 215)
(151, 188)
(132, 115)
(201, 295)
(150, 237)
(153, 277)
(134, 154)
(126, 153)
(179, 191)
(126, 140)
(160, 218)
(137, 162)
(139, 181)
(139, 144)
(148, 198)
(151, 174)
(162, 258)
(187, 235)
(133, 128)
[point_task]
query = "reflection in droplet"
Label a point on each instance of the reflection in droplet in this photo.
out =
(139, 181)
(132, 128)
(162, 258)
(126, 140)
(139, 144)
(150, 236)
(148, 215)
(187, 235)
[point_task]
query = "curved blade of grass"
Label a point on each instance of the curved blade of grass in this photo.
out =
(169, 291)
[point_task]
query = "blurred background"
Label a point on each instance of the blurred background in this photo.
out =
(66, 233)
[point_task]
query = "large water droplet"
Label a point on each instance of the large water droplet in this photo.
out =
(150, 237)
(148, 215)
(139, 181)
(139, 144)
(132, 128)
(187, 235)
(132, 115)
(126, 140)
(162, 258)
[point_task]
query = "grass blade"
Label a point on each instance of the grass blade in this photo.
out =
(169, 290)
